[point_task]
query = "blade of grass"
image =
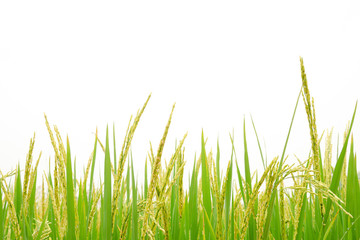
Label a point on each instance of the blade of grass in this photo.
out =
(107, 190)
(228, 197)
(134, 224)
(205, 180)
(193, 204)
(252, 222)
(81, 212)
(247, 166)
(257, 138)
(337, 171)
(2, 215)
(92, 171)
(208, 223)
(70, 195)
(353, 192)
(18, 193)
(238, 172)
(114, 147)
(218, 163)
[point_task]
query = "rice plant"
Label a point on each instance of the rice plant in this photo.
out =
(321, 202)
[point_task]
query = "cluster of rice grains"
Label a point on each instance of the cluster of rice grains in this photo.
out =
(308, 200)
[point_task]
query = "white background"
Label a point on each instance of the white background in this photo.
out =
(89, 64)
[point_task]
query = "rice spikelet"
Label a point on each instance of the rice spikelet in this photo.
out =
(327, 159)
(27, 171)
(121, 162)
(310, 111)
(282, 211)
(154, 177)
(12, 212)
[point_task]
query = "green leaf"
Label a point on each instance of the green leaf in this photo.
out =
(2, 215)
(248, 187)
(247, 167)
(205, 187)
(18, 193)
(81, 212)
(228, 197)
(353, 192)
(193, 204)
(134, 205)
(258, 142)
(208, 223)
(107, 190)
(92, 173)
(70, 196)
(337, 171)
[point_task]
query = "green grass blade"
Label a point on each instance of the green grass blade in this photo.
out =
(242, 191)
(92, 171)
(115, 167)
(337, 171)
(238, 172)
(107, 190)
(205, 187)
(74, 172)
(18, 193)
(193, 205)
(228, 197)
(258, 142)
(275, 222)
(174, 210)
(247, 167)
(31, 213)
(81, 212)
(134, 205)
(70, 196)
(248, 187)
(208, 223)
(232, 221)
(218, 163)
(353, 192)
(2, 215)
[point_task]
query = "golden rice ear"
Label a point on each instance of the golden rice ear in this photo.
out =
(155, 177)
(121, 162)
(344, 168)
(282, 211)
(310, 111)
(10, 200)
(328, 157)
